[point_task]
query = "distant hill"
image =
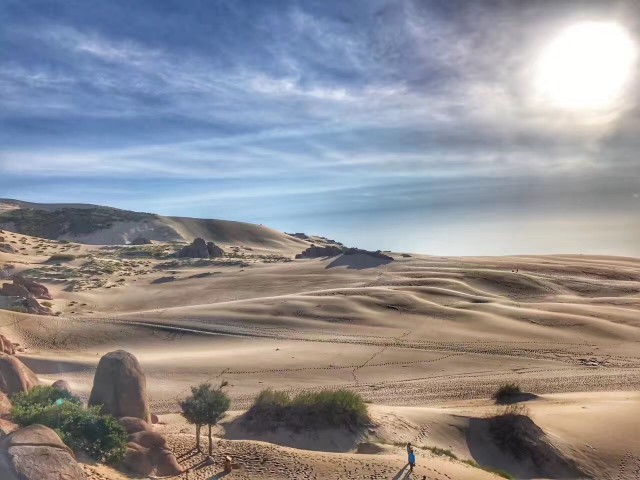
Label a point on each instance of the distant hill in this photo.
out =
(99, 225)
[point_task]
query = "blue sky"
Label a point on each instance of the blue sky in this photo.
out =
(404, 125)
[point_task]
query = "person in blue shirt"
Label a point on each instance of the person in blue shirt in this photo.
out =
(412, 460)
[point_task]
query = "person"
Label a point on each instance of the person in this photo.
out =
(412, 460)
(408, 447)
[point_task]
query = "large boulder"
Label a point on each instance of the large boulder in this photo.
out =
(147, 453)
(36, 289)
(15, 376)
(198, 249)
(37, 453)
(120, 386)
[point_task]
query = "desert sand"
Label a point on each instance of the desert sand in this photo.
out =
(425, 340)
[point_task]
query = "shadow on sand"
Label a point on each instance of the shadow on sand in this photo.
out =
(359, 261)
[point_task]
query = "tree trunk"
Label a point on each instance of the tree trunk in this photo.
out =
(210, 446)
(198, 437)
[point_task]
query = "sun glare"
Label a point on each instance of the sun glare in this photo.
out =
(587, 66)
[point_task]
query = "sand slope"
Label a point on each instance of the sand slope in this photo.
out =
(425, 339)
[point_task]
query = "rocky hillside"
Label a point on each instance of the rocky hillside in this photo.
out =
(98, 225)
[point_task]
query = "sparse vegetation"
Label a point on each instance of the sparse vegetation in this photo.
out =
(82, 429)
(506, 391)
(62, 257)
(205, 406)
(308, 410)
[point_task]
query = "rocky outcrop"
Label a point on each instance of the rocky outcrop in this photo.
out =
(14, 290)
(120, 386)
(147, 454)
(141, 241)
(200, 249)
(316, 252)
(62, 385)
(34, 288)
(25, 292)
(15, 376)
(37, 453)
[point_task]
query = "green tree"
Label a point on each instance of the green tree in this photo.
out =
(205, 406)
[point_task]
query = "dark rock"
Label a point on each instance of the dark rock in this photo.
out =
(198, 249)
(141, 241)
(34, 307)
(13, 290)
(36, 289)
(137, 459)
(120, 386)
(214, 250)
(15, 376)
(316, 252)
(6, 248)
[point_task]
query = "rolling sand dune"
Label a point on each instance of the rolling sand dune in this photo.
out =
(425, 339)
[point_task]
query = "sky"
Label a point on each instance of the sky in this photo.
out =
(395, 125)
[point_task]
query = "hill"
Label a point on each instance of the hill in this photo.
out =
(99, 225)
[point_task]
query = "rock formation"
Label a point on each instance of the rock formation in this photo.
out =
(25, 292)
(37, 453)
(214, 250)
(147, 452)
(141, 241)
(15, 376)
(316, 252)
(34, 288)
(120, 386)
(200, 249)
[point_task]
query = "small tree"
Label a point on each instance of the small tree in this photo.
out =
(205, 406)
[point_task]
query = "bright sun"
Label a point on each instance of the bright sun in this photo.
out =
(586, 67)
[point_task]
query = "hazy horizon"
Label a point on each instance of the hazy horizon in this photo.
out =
(406, 126)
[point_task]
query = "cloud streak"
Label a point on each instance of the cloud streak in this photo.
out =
(289, 102)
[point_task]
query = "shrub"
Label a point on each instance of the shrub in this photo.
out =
(61, 257)
(82, 429)
(205, 406)
(326, 408)
(506, 391)
(40, 397)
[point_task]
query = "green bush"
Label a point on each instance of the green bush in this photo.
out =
(40, 397)
(308, 410)
(82, 429)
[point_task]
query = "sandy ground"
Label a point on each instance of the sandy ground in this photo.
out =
(425, 339)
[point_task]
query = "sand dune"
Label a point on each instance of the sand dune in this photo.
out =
(425, 339)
